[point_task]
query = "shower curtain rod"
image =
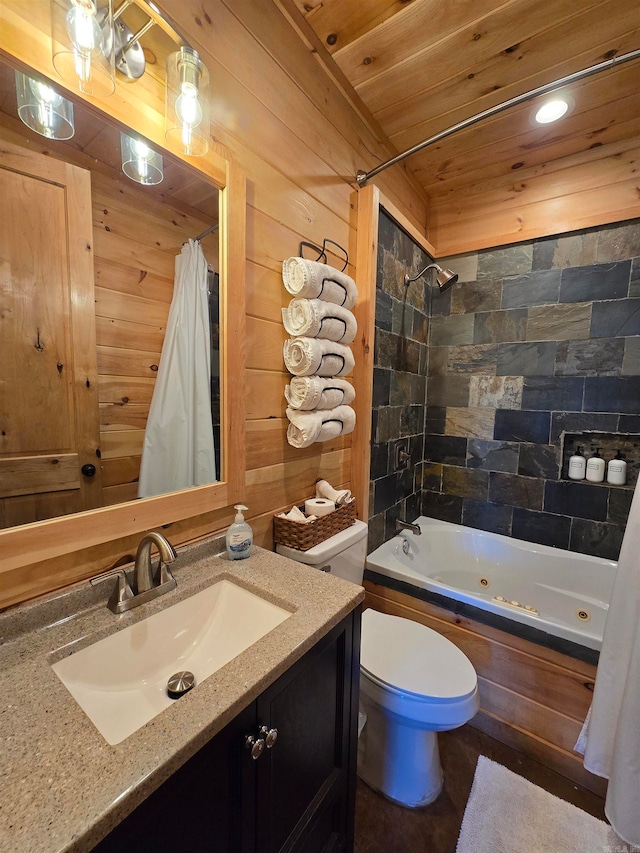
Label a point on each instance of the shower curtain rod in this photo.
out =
(362, 177)
(205, 233)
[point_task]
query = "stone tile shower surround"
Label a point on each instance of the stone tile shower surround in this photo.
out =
(539, 344)
(399, 384)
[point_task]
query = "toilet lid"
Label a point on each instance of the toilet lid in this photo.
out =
(410, 657)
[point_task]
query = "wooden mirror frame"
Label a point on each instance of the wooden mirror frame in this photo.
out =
(25, 44)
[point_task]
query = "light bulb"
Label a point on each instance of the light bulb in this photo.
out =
(551, 111)
(47, 100)
(45, 93)
(189, 112)
(86, 36)
(139, 162)
(187, 102)
(188, 107)
(142, 152)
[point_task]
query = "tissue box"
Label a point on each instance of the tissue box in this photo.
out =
(301, 536)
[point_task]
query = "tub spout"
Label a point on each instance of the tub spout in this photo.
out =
(405, 525)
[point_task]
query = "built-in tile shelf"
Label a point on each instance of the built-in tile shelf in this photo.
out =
(608, 443)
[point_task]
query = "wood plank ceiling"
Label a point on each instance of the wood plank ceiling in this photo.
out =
(421, 66)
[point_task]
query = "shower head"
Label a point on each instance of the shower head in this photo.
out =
(444, 278)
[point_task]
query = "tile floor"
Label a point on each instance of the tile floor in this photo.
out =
(383, 827)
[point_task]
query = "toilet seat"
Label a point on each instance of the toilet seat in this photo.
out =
(407, 658)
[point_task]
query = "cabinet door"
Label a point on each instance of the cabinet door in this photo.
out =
(205, 807)
(304, 795)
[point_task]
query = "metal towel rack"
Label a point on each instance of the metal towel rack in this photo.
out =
(322, 253)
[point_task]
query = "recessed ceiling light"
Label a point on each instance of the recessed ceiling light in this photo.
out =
(551, 111)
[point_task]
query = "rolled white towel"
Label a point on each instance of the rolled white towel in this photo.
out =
(324, 489)
(315, 318)
(296, 514)
(315, 357)
(313, 280)
(317, 392)
(305, 428)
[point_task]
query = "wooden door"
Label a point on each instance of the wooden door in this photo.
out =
(49, 421)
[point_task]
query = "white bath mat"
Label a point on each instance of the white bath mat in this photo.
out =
(508, 814)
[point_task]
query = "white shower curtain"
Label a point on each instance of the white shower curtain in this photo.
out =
(613, 730)
(178, 447)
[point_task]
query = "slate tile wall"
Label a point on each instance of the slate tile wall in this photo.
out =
(542, 338)
(399, 385)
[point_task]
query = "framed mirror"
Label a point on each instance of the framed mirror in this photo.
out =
(89, 258)
(95, 254)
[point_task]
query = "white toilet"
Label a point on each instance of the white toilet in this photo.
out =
(414, 683)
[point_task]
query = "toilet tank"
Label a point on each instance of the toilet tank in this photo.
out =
(342, 555)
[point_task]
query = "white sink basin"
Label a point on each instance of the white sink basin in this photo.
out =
(121, 682)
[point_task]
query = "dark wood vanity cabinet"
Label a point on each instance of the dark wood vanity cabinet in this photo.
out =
(298, 795)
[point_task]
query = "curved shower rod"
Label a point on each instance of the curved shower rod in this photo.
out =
(362, 177)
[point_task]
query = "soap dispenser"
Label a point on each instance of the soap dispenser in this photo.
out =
(617, 470)
(577, 465)
(239, 536)
(595, 468)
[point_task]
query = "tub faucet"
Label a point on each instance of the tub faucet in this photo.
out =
(143, 574)
(405, 525)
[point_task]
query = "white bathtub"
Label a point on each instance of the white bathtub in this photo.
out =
(569, 591)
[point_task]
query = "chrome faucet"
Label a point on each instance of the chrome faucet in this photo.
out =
(146, 585)
(405, 525)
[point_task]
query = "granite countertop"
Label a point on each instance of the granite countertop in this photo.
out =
(62, 787)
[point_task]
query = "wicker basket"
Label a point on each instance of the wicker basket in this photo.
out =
(300, 536)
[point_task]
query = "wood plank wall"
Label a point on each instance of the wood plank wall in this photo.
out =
(300, 144)
(573, 192)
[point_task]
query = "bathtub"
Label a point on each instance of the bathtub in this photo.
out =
(533, 590)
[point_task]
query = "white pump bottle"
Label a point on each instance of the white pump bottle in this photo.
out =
(577, 465)
(239, 536)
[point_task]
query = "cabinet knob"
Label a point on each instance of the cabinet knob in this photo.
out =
(88, 470)
(256, 746)
(270, 736)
